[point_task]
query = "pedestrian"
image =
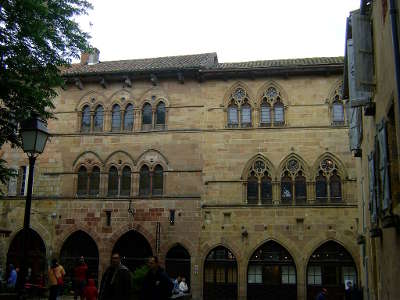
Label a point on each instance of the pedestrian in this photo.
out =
(322, 294)
(56, 275)
(80, 277)
(156, 284)
(176, 282)
(183, 287)
(90, 291)
(116, 282)
(12, 279)
(348, 293)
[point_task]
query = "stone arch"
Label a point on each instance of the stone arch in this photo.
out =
(121, 97)
(88, 155)
(152, 157)
(184, 242)
(335, 89)
(87, 98)
(258, 156)
(122, 155)
(341, 168)
(230, 245)
(239, 84)
(152, 96)
(272, 83)
(297, 157)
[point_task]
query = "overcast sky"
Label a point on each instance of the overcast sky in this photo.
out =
(236, 30)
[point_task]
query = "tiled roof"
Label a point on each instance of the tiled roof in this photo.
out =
(205, 62)
(195, 61)
(301, 62)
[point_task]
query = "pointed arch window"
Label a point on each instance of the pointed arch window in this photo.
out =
(98, 119)
(337, 107)
(94, 182)
(272, 108)
(144, 182)
(85, 122)
(328, 182)
(116, 118)
(157, 181)
(293, 183)
(259, 183)
(147, 117)
(279, 114)
(239, 109)
(82, 181)
(151, 181)
(113, 181)
(126, 181)
(265, 114)
(128, 118)
(160, 116)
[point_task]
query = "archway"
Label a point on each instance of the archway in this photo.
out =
(76, 245)
(177, 262)
(36, 255)
(271, 273)
(330, 266)
(134, 249)
(220, 275)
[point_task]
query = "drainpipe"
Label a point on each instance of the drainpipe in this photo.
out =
(395, 40)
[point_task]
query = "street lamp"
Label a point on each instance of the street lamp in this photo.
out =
(34, 136)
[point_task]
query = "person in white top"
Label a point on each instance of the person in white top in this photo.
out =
(183, 286)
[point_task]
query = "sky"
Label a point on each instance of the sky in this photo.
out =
(236, 30)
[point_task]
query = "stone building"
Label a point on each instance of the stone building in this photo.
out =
(237, 175)
(372, 82)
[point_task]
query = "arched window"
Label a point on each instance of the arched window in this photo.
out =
(160, 116)
(126, 181)
(157, 181)
(144, 182)
(233, 116)
(265, 114)
(128, 118)
(98, 119)
(328, 182)
(113, 181)
(259, 184)
(94, 182)
(82, 181)
(293, 183)
(245, 114)
(321, 191)
(147, 117)
(239, 109)
(85, 123)
(279, 114)
(300, 188)
(337, 113)
(116, 118)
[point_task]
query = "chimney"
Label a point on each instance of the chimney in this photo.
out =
(90, 58)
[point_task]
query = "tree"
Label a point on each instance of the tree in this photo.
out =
(37, 39)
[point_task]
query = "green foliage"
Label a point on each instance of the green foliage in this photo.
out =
(138, 277)
(37, 39)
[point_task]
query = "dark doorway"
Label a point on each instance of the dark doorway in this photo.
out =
(133, 249)
(330, 266)
(220, 275)
(177, 262)
(271, 274)
(76, 245)
(36, 259)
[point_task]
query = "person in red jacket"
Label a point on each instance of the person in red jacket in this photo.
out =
(80, 277)
(90, 291)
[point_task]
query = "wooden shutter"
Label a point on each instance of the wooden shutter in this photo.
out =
(354, 113)
(363, 55)
(372, 191)
(384, 166)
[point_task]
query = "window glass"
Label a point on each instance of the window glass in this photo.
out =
(279, 118)
(349, 273)
(286, 190)
(232, 115)
(94, 182)
(82, 181)
(266, 190)
(246, 115)
(335, 188)
(147, 117)
(158, 180)
(314, 276)
(116, 118)
(337, 112)
(85, 126)
(113, 181)
(321, 188)
(265, 114)
(288, 274)
(252, 190)
(300, 188)
(98, 118)
(220, 274)
(144, 184)
(128, 117)
(126, 181)
(254, 274)
(160, 114)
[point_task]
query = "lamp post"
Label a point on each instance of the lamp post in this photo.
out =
(34, 136)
